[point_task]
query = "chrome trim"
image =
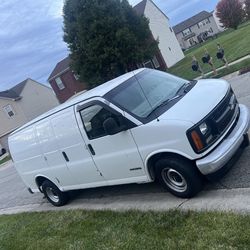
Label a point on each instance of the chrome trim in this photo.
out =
(228, 147)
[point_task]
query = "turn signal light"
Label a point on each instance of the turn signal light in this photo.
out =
(197, 140)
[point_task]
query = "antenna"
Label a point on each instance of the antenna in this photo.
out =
(145, 96)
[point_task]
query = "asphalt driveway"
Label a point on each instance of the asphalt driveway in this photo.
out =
(13, 193)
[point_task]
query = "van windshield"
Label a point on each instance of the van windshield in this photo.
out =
(146, 91)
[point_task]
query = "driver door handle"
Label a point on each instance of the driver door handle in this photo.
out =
(65, 156)
(92, 151)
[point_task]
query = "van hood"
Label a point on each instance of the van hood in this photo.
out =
(198, 102)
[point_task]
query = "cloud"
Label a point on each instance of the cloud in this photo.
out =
(30, 40)
(31, 34)
(134, 2)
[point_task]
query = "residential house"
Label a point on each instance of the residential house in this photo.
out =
(64, 81)
(196, 29)
(169, 49)
(22, 103)
(218, 22)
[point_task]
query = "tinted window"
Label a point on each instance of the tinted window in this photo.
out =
(93, 118)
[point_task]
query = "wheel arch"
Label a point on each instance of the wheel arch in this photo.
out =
(40, 179)
(154, 157)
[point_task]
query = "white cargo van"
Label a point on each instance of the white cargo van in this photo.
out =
(143, 126)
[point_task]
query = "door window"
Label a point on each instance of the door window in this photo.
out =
(93, 118)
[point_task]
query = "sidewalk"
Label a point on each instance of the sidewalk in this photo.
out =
(5, 165)
(234, 200)
(223, 67)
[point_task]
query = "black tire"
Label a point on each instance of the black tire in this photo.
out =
(53, 194)
(179, 176)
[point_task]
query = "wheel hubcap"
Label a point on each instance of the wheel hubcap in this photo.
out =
(52, 195)
(174, 180)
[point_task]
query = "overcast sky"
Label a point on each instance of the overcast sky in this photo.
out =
(31, 35)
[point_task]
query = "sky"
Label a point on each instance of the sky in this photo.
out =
(31, 35)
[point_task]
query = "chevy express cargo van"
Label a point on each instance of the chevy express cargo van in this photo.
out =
(140, 127)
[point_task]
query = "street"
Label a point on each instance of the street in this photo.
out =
(13, 193)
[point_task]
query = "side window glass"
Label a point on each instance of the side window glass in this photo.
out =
(93, 118)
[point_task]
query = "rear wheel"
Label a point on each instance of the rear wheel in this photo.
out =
(179, 176)
(53, 194)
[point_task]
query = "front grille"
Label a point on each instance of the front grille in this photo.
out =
(223, 115)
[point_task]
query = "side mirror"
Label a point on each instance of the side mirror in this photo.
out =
(111, 127)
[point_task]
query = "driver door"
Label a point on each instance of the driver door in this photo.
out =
(117, 156)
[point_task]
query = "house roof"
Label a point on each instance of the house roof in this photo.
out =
(60, 67)
(140, 7)
(15, 92)
(191, 21)
(98, 91)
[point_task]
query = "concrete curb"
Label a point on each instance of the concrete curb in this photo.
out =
(5, 165)
(224, 200)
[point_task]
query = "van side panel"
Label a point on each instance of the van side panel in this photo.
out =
(80, 163)
(26, 154)
(56, 170)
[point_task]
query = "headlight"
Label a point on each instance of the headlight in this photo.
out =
(200, 137)
(203, 128)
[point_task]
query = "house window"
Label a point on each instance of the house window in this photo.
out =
(59, 83)
(192, 41)
(208, 21)
(148, 64)
(186, 32)
(76, 76)
(155, 62)
(202, 23)
(211, 30)
(93, 118)
(9, 111)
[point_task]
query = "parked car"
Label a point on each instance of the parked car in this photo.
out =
(143, 126)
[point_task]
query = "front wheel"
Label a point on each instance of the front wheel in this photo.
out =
(179, 177)
(53, 194)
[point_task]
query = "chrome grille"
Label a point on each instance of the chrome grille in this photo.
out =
(224, 114)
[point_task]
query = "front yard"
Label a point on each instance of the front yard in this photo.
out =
(7, 158)
(124, 230)
(235, 43)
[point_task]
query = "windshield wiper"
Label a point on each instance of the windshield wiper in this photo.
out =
(164, 103)
(183, 87)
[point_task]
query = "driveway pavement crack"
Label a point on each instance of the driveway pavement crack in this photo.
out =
(182, 203)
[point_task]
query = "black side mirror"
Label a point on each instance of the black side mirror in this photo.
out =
(111, 127)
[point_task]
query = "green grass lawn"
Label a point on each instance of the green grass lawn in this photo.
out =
(7, 158)
(231, 69)
(124, 230)
(235, 42)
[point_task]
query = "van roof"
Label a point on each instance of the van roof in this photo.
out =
(98, 91)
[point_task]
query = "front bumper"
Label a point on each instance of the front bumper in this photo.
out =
(218, 158)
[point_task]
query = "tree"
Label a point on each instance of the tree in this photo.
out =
(105, 38)
(230, 13)
(247, 9)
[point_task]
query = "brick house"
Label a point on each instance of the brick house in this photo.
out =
(64, 82)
